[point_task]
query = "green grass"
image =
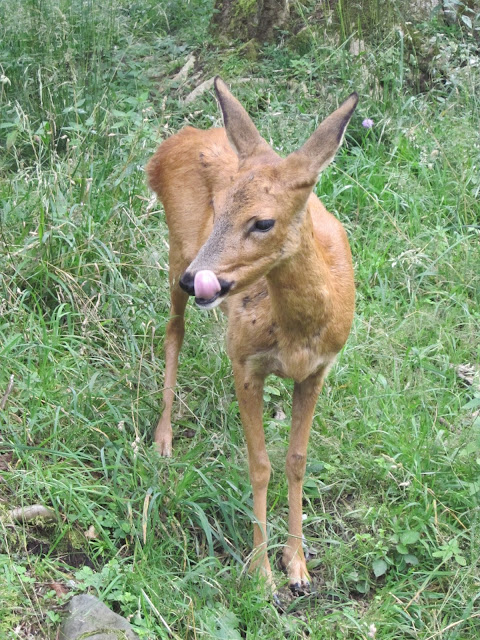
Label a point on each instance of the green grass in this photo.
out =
(392, 491)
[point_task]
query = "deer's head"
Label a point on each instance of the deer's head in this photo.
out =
(258, 219)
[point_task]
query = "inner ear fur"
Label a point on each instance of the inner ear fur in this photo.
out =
(241, 132)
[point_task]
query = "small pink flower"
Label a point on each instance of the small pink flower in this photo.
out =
(368, 123)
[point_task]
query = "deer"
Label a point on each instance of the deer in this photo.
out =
(246, 232)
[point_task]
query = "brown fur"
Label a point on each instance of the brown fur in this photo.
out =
(291, 303)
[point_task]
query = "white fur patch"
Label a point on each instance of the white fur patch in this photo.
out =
(211, 305)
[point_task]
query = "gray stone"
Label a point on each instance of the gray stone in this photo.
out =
(90, 619)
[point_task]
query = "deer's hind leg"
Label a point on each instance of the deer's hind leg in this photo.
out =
(177, 176)
(173, 343)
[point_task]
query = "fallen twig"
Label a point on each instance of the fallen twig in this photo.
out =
(7, 392)
(204, 86)
(181, 76)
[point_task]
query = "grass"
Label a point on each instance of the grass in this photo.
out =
(391, 494)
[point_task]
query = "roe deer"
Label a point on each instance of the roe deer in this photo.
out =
(247, 232)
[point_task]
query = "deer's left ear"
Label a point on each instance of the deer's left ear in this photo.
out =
(320, 149)
(241, 132)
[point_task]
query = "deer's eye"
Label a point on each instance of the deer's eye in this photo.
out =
(262, 225)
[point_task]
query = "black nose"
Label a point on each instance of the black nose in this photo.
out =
(186, 283)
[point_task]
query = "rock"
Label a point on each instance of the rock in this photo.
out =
(356, 46)
(90, 618)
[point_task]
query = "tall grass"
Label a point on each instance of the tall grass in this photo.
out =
(391, 494)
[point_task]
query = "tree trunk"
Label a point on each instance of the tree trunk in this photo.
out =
(234, 19)
(271, 14)
(247, 19)
(222, 15)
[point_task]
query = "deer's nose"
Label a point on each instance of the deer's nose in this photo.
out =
(187, 282)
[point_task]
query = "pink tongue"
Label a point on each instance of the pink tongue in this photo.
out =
(206, 284)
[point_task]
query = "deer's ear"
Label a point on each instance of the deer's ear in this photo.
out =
(320, 149)
(241, 132)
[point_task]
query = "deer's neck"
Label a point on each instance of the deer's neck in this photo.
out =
(299, 288)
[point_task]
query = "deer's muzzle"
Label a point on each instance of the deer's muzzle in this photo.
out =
(206, 287)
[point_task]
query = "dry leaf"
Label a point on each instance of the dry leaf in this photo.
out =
(90, 533)
(469, 374)
(59, 588)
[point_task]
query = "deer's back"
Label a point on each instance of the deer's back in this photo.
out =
(185, 172)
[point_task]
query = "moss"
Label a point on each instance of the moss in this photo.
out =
(250, 50)
(235, 20)
(303, 42)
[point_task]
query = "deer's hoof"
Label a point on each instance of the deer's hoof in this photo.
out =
(163, 444)
(300, 588)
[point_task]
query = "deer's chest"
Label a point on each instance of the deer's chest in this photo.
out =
(257, 341)
(295, 361)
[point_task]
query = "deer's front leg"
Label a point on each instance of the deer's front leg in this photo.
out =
(249, 390)
(305, 396)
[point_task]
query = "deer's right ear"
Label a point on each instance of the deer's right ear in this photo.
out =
(241, 132)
